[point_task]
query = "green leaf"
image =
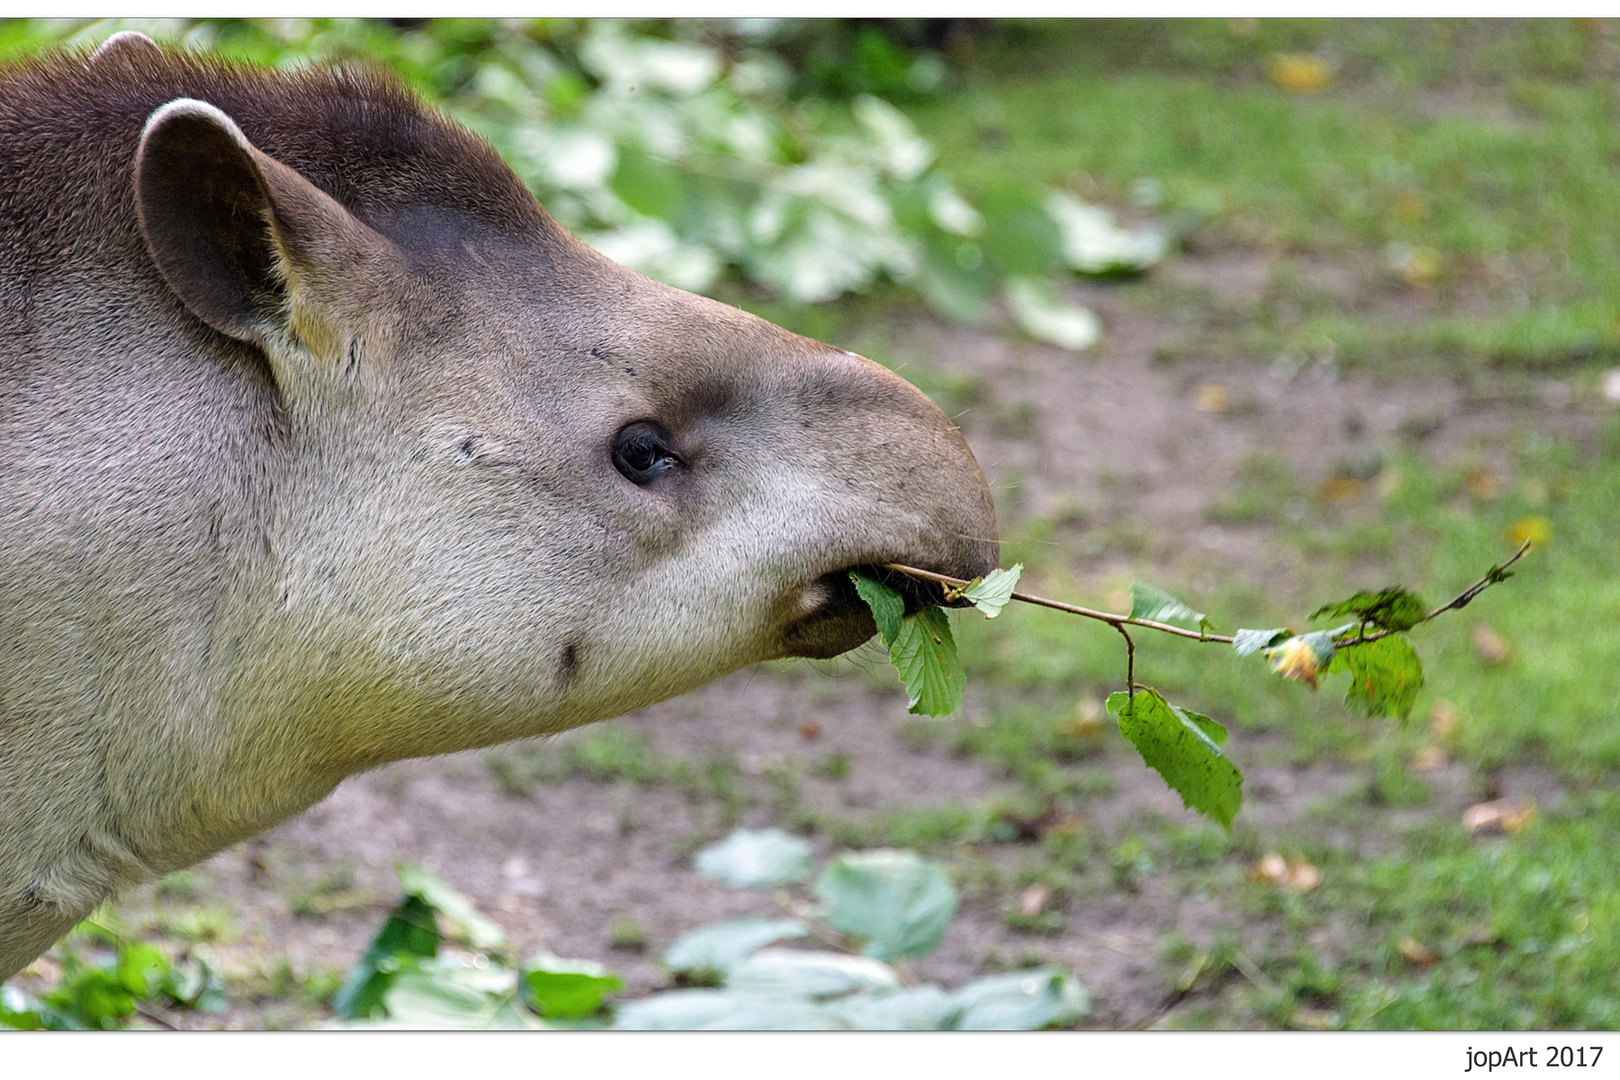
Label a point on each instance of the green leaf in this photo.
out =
(814, 975)
(991, 592)
(897, 902)
(1022, 1001)
(920, 1008)
(1247, 642)
(718, 948)
(1384, 677)
(1389, 609)
(1214, 729)
(561, 989)
(925, 656)
(408, 935)
(888, 607)
(722, 1010)
(468, 925)
(753, 860)
(1179, 749)
(1156, 605)
(142, 970)
(454, 996)
(18, 1011)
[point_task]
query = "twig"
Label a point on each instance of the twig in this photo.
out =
(1492, 576)
(1108, 617)
(1119, 622)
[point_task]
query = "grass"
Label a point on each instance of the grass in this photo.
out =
(1486, 149)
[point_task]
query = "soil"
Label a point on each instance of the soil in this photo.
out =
(1101, 438)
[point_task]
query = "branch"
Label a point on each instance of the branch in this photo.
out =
(1116, 621)
(1493, 576)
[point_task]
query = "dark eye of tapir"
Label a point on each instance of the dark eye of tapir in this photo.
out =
(642, 453)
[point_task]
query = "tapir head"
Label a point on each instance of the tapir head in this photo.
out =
(520, 487)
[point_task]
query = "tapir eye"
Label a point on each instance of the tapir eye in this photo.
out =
(642, 453)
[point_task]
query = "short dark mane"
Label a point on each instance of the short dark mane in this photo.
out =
(69, 131)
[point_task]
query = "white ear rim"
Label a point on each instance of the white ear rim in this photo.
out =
(129, 43)
(189, 107)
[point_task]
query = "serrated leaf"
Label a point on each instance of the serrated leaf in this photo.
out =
(722, 946)
(805, 974)
(897, 902)
(561, 989)
(1156, 605)
(1385, 676)
(753, 860)
(921, 1008)
(1179, 749)
(468, 924)
(1022, 1001)
(1213, 728)
(1393, 608)
(925, 656)
(722, 1010)
(1248, 642)
(991, 592)
(408, 935)
(888, 607)
(921, 648)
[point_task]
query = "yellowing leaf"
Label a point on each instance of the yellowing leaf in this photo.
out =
(1299, 73)
(1531, 527)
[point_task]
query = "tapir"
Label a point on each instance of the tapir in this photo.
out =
(322, 445)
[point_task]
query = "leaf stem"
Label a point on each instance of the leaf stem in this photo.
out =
(1108, 617)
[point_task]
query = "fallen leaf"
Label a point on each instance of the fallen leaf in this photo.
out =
(1430, 759)
(1411, 206)
(1531, 527)
(1416, 952)
(1315, 1019)
(1482, 484)
(1443, 719)
(1415, 265)
(1611, 384)
(1342, 489)
(1085, 721)
(1501, 816)
(810, 728)
(1213, 397)
(1299, 73)
(1272, 868)
(1302, 877)
(1032, 901)
(1490, 645)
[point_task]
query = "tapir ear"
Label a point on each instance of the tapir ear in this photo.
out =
(251, 247)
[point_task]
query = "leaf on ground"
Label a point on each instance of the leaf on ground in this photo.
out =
(1179, 749)
(1393, 608)
(1248, 642)
(991, 592)
(455, 995)
(718, 948)
(468, 924)
(1156, 605)
(753, 860)
(921, 649)
(561, 989)
(805, 974)
(918, 1008)
(897, 902)
(723, 1010)
(1384, 677)
(1022, 1001)
(407, 936)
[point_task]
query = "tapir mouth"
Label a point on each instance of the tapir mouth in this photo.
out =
(837, 619)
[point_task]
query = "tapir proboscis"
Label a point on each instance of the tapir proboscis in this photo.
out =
(322, 445)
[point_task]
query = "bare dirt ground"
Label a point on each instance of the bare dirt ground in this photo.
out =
(1104, 439)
